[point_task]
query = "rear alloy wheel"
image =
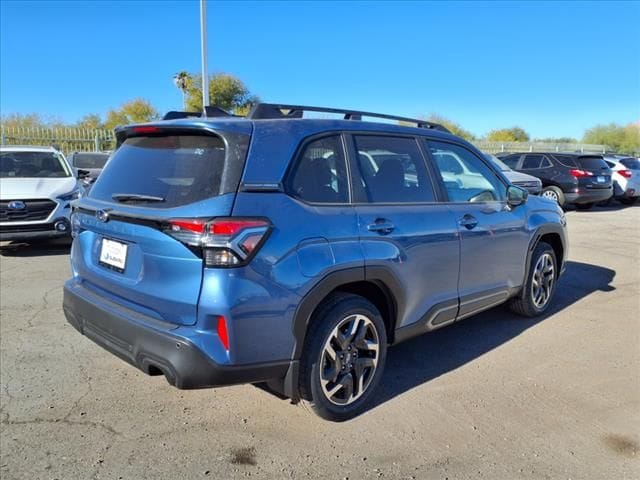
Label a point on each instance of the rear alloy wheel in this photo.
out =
(343, 357)
(540, 285)
(553, 193)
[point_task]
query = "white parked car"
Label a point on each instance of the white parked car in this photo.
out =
(37, 185)
(625, 174)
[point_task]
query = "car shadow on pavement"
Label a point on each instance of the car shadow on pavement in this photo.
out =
(36, 249)
(429, 356)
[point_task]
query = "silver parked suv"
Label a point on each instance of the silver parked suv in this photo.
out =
(36, 188)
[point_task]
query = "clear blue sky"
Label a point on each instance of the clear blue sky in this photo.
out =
(552, 68)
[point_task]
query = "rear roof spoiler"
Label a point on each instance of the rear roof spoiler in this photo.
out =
(209, 112)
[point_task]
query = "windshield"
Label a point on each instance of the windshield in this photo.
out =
(502, 166)
(90, 160)
(33, 165)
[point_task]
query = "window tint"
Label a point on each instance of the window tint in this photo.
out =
(32, 165)
(631, 163)
(592, 163)
(546, 163)
(465, 176)
(531, 161)
(320, 176)
(511, 161)
(178, 169)
(393, 170)
(566, 160)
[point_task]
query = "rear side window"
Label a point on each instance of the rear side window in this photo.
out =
(320, 174)
(566, 160)
(167, 171)
(631, 163)
(592, 163)
(89, 160)
(393, 170)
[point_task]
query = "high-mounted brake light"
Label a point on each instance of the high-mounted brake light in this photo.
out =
(145, 129)
(625, 173)
(221, 242)
(580, 173)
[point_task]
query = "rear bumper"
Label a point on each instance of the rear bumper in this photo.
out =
(153, 346)
(589, 196)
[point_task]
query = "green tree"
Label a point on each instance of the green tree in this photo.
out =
(513, 134)
(23, 120)
(91, 121)
(452, 126)
(622, 139)
(133, 111)
(225, 91)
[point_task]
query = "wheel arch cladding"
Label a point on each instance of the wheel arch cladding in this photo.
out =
(353, 281)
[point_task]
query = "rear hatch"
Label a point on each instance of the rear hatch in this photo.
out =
(128, 248)
(597, 172)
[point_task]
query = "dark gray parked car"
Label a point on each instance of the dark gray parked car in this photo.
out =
(92, 162)
(532, 184)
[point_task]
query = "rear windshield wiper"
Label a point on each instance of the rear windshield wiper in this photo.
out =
(135, 197)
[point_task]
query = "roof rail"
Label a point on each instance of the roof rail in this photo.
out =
(209, 111)
(276, 110)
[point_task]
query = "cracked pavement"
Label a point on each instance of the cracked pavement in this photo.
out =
(493, 397)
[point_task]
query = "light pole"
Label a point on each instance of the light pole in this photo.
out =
(203, 44)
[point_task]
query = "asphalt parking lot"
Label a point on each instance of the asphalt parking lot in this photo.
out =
(492, 397)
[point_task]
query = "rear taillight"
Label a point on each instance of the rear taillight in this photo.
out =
(580, 173)
(625, 173)
(222, 242)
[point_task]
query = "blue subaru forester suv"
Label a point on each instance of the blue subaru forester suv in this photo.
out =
(292, 251)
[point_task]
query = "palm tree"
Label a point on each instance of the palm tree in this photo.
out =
(182, 80)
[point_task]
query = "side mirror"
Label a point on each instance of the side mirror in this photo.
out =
(81, 174)
(516, 195)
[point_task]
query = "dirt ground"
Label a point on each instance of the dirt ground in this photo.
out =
(494, 396)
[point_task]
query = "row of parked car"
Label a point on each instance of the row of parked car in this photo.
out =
(577, 178)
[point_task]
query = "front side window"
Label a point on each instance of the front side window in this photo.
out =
(33, 165)
(320, 175)
(393, 170)
(532, 162)
(466, 178)
(511, 161)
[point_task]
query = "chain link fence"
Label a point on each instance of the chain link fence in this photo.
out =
(70, 140)
(67, 140)
(509, 147)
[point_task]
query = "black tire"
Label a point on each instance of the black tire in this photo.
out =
(554, 193)
(334, 311)
(525, 304)
(585, 206)
(628, 200)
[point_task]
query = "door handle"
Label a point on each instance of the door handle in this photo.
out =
(382, 226)
(468, 221)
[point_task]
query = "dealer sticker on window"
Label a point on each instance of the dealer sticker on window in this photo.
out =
(113, 254)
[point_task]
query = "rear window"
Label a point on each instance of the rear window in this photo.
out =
(592, 163)
(167, 171)
(90, 160)
(631, 163)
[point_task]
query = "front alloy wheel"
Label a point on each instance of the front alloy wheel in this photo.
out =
(543, 281)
